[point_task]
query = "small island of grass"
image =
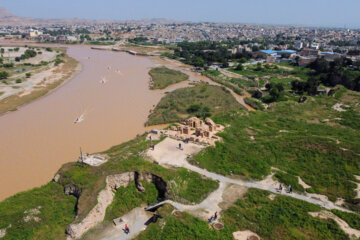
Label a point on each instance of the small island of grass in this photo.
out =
(202, 101)
(163, 77)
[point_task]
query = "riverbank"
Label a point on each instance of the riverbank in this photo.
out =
(40, 82)
(133, 170)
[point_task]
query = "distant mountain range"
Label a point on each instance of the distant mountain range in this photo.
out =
(9, 19)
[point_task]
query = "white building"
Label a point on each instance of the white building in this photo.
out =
(315, 46)
(35, 33)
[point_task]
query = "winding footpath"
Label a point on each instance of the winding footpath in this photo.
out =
(166, 154)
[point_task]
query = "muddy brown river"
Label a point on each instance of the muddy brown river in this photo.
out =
(41, 136)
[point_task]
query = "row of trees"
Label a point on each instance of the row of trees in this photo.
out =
(29, 53)
(330, 74)
(205, 53)
(334, 73)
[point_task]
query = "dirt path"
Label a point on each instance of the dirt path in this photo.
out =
(136, 220)
(167, 154)
(230, 74)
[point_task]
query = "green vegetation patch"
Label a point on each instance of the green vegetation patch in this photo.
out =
(352, 219)
(129, 198)
(53, 212)
(163, 77)
(184, 226)
(283, 218)
(310, 140)
(202, 100)
(254, 103)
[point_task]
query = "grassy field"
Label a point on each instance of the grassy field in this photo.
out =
(273, 70)
(283, 218)
(163, 77)
(310, 140)
(129, 198)
(56, 212)
(201, 100)
(232, 83)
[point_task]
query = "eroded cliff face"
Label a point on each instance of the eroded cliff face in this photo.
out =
(106, 196)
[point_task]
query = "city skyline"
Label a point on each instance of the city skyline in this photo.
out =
(321, 13)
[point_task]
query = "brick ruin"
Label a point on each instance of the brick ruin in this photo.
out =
(196, 130)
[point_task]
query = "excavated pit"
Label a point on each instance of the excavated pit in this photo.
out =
(106, 196)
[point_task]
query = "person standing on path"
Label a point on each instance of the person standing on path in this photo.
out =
(127, 230)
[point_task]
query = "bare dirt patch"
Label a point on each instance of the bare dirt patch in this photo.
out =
(302, 183)
(231, 194)
(31, 214)
(218, 226)
(272, 197)
(340, 107)
(245, 235)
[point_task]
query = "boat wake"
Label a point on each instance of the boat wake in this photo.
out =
(103, 80)
(79, 119)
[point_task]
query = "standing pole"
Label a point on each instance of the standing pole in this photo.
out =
(81, 155)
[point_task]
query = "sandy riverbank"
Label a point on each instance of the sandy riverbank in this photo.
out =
(43, 80)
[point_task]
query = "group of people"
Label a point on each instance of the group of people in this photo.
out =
(213, 218)
(289, 189)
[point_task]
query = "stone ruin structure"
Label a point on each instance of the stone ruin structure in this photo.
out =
(196, 130)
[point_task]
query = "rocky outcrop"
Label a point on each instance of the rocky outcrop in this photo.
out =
(56, 178)
(106, 196)
(72, 190)
(3, 231)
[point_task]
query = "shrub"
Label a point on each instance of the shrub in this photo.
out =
(4, 75)
(8, 65)
(58, 61)
(193, 108)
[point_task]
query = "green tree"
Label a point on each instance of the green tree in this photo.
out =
(274, 93)
(239, 67)
(4, 75)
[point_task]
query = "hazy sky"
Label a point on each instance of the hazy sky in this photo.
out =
(337, 13)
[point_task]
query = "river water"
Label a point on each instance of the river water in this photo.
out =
(41, 136)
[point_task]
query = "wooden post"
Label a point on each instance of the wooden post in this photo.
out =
(81, 156)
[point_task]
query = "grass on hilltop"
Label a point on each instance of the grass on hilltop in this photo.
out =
(56, 212)
(59, 209)
(127, 157)
(310, 140)
(163, 77)
(202, 100)
(283, 218)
